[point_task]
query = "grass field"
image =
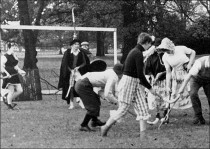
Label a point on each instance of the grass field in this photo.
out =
(49, 66)
(49, 124)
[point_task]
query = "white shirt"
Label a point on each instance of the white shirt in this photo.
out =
(179, 56)
(197, 65)
(75, 52)
(106, 79)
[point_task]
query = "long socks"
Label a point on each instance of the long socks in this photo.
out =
(86, 120)
(94, 118)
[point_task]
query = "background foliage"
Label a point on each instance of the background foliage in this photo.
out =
(179, 20)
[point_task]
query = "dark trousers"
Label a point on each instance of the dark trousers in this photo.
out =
(195, 85)
(90, 99)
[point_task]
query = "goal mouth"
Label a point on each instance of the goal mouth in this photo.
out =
(66, 28)
(48, 74)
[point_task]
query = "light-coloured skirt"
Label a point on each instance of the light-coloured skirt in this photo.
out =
(184, 101)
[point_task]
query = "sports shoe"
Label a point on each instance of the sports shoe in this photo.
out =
(13, 105)
(85, 128)
(10, 107)
(198, 120)
(166, 121)
(97, 123)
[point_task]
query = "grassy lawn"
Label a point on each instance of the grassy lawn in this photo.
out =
(49, 124)
(49, 67)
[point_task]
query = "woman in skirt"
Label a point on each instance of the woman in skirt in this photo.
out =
(10, 63)
(156, 73)
(3, 75)
(177, 65)
(72, 67)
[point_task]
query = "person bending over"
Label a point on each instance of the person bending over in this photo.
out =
(84, 88)
(198, 76)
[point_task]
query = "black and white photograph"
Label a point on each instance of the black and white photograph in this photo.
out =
(105, 73)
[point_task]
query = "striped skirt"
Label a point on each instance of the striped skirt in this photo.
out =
(132, 92)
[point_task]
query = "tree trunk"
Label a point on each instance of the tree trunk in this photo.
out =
(100, 44)
(31, 82)
(83, 36)
(31, 85)
(129, 37)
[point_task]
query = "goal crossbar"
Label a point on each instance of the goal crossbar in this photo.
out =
(33, 27)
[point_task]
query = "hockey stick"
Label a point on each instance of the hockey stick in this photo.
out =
(167, 114)
(7, 77)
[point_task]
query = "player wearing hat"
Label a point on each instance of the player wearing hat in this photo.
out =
(71, 69)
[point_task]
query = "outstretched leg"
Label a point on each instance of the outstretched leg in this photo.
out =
(84, 125)
(121, 112)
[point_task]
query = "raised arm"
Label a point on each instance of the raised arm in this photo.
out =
(109, 90)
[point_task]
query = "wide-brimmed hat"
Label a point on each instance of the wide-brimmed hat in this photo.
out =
(98, 65)
(84, 43)
(74, 41)
(166, 44)
(118, 69)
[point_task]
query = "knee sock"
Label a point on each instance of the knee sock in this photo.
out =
(94, 118)
(86, 120)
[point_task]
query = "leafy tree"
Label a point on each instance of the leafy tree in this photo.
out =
(9, 12)
(30, 39)
(206, 4)
(97, 14)
(197, 36)
(140, 16)
(129, 9)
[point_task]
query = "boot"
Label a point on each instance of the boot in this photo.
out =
(198, 120)
(14, 105)
(158, 115)
(10, 107)
(97, 123)
(107, 126)
(165, 121)
(85, 128)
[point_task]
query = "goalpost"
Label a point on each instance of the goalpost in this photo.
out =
(65, 28)
(48, 89)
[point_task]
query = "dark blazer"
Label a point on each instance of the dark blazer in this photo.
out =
(153, 65)
(66, 66)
